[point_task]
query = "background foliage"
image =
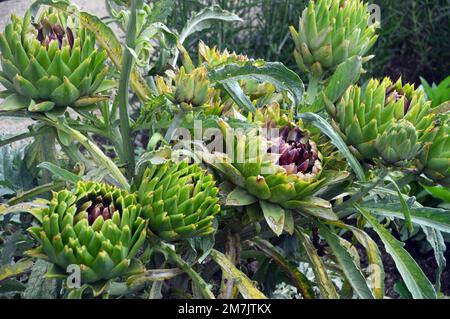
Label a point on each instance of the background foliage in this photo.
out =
(413, 36)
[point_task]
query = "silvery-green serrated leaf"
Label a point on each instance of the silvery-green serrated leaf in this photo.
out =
(246, 287)
(317, 207)
(60, 172)
(437, 218)
(274, 215)
(16, 269)
(436, 240)
(39, 287)
(415, 279)
(440, 192)
(205, 18)
(328, 130)
(240, 197)
(272, 72)
(345, 260)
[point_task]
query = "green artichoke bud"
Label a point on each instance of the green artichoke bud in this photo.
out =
(330, 32)
(398, 144)
(271, 116)
(50, 63)
(179, 200)
(188, 89)
(364, 114)
(435, 158)
(213, 58)
(96, 226)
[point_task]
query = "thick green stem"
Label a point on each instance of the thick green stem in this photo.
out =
(19, 137)
(199, 282)
(123, 93)
(48, 154)
(95, 151)
(35, 192)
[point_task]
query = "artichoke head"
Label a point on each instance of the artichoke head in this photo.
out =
(435, 158)
(188, 90)
(96, 226)
(52, 62)
(179, 200)
(271, 115)
(398, 144)
(367, 119)
(330, 32)
(282, 166)
(213, 57)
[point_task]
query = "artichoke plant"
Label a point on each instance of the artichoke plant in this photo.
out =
(435, 158)
(49, 63)
(367, 120)
(330, 32)
(179, 200)
(186, 89)
(95, 226)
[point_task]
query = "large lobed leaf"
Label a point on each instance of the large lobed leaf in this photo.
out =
(273, 72)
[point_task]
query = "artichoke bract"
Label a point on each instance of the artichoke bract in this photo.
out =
(365, 115)
(96, 226)
(179, 200)
(52, 62)
(435, 158)
(330, 32)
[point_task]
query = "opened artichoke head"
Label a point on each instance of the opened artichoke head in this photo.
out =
(49, 62)
(179, 200)
(281, 166)
(96, 226)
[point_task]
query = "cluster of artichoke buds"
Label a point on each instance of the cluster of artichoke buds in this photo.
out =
(271, 115)
(97, 227)
(179, 199)
(188, 89)
(214, 58)
(435, 157)
(383, 120)
(330, 32)
(50, 63)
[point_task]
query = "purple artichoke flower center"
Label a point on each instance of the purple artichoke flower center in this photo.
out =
(100, 207)
(297, 153)
(48, 33)
(393, 95)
